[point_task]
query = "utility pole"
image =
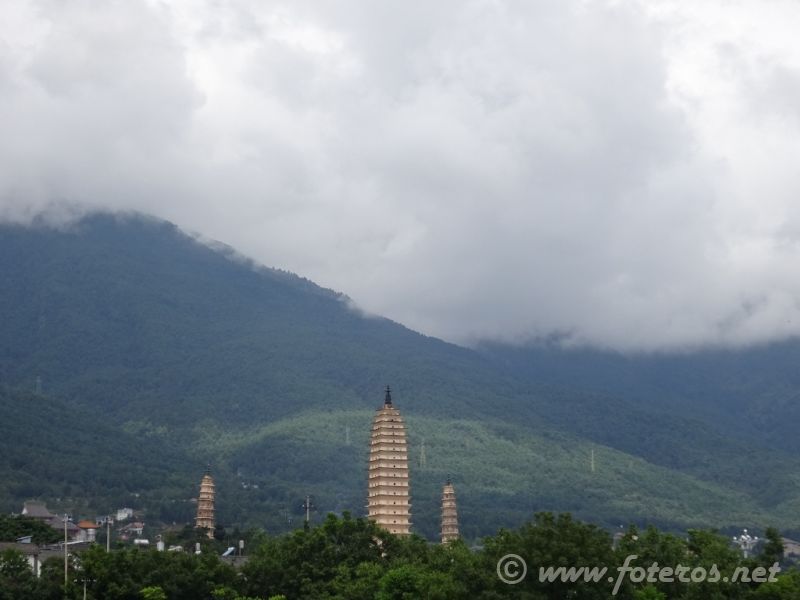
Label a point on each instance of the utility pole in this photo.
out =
(591, 460)
(108, 534)
(65, 552)
(308, 506)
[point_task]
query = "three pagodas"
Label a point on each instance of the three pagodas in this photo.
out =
(389, 492)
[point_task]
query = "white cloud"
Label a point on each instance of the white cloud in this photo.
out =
(619, 173)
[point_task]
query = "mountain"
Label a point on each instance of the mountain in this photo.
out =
(157, 353)
(748, 393)
(62, 452)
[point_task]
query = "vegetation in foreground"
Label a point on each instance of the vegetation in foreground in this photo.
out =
(352, 559)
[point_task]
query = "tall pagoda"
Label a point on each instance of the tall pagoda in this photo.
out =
(449, 513)
(388, 494)
(205, 505)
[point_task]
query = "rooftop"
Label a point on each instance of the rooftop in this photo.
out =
(87, 524)
(36, 510)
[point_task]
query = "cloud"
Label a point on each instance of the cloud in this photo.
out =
(617, 174)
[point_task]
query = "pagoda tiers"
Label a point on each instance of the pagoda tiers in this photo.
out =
(388, 484)
(449, 513)
(205, 505)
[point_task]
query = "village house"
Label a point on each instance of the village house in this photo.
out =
(123, 514)
(130, 530)
(88, 531)
(39, 511)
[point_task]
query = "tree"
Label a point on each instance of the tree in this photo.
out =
(17, 526)
(409, 582)
(153, 593)
(649, 592)
(16, 578)
(787, 587)
(307, 562)
(710, 551)
(652, 547)
(772, 550)
(552, 541)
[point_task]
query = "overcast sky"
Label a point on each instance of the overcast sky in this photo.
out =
(623, 174)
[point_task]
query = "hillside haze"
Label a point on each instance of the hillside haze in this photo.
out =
(153, 353)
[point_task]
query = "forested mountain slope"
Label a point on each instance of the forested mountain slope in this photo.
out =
(193, 353)
(752, 394)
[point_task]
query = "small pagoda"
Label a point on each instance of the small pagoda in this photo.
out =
(205, 505)
(388, 493)
(449, 513)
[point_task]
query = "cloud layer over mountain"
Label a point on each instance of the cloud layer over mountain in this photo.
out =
(621, 174)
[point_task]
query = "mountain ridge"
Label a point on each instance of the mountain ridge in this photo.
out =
(218, 359)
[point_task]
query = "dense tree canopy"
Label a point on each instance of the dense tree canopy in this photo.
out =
(352, 559)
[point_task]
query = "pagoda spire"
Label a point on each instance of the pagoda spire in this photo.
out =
(388, 496)
(387, 399)
(449, 513)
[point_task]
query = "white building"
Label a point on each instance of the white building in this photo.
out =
(123, 514)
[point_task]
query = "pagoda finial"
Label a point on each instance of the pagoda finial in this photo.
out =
(387, 401)
(449, 481)
(208, 469)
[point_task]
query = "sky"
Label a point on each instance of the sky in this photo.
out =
(619, 174)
